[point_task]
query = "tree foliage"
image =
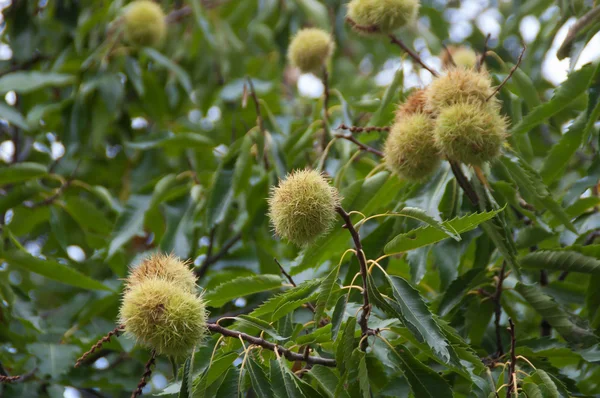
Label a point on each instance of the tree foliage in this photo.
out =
(474, 281)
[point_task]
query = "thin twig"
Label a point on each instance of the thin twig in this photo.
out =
(146, 376)
(362, 146)
(498, 310)
(481, 59)
(288, 354)
(50, 199)
(394, 39)
(449, 55)
(362, 261)
(411, 53)
(512, 70)
(208, 261)
(356, 129)
(259, 119)
(589, 18)
(115, 332)
(513, 360)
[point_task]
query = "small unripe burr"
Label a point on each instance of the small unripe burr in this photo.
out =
(463, 57)
(165, 267)
(382, 15)
(310, 49)
(415, 103)
(162, 316)
(409, 150)
(459, 85)
(470, 133)
(303, 207)
(144, 24)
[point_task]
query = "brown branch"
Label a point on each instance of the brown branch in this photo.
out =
(325, 79)
(362, 146)
(512, 70)
(481, 59)
(145, 376)
(259, 119)
(209, 260)
(362, 261)
(464, 183)
(498, 310)
(512, 383)
(587, 19)
(115, 332)
(178, 15)
(394, 39)
(288, 354)
(355, 129)
(9, 379)
(411, 53)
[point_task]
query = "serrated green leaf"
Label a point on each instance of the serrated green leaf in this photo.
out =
(20, 172)
(283, 303)
(427, 235)
(130, 223)
(558, 158)
(325, 293)
(258, 378)
(345, 345)
(555, 315)
(13, 116)
(458, 288)
(283, 382)
(51, 270)
(328, 380)
(243, 166)
(543, 382)
(240, 287)
(576, 83)
(363, 378)
(215, 370)
(180, 73)
(249, 321)
(424, 382)
(416, 315)
(221, 196)
(533, 188)
(561, 260)
(54, 359)
(25, 82)
(171, 141)
(88, 215)
(186, 379)
(421, 215)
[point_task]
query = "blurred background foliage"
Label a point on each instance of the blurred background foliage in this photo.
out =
(111, 152)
